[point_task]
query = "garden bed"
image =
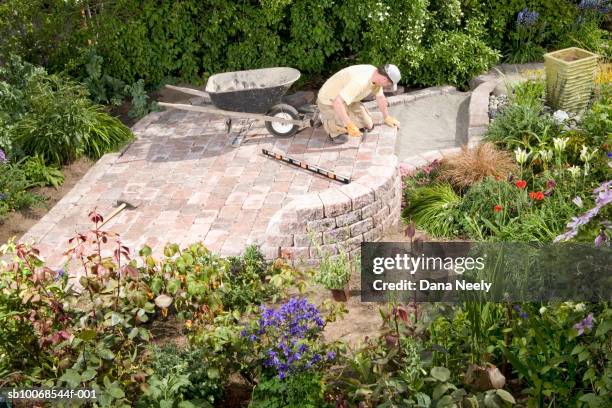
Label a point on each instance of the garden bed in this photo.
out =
(19, 222)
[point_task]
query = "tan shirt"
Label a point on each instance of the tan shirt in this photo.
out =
(351, 83)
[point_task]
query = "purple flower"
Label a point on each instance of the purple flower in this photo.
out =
(586, 323)
(600, 6)
(601, 239)
(3, 158)
(603, 197)
(603, 194)
(285, 333)
(59, 274)
(527, 18)
(330, 355)
(522, 314)
(2, 196)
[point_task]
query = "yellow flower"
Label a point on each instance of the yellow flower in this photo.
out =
(188, 324)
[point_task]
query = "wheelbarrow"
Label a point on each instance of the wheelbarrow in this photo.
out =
(254, 94)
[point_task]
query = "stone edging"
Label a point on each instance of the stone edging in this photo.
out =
(341, 218)
(479, 110)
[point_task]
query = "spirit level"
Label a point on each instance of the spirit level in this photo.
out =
(306, 166)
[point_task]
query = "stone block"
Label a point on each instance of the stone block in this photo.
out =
(373, 234)
(380, 216)
(337, 235)
(306, 207)
(360, 195)
(335, 202)
(295, 253)
(361, 227)
(304, 240)
(348, 218)
(352, 243)
(371, 209)
(321, 225)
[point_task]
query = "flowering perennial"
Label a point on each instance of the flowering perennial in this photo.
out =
(603, 197)
(288, 335)
(527, 18)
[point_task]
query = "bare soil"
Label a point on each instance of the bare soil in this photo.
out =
(19, 222)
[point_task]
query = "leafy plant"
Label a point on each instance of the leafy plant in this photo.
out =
(524, 45)
(529, 93)
(434, 209)
(597, 123)
(454, 58)
(38, 172)
(14, 185)
(102, 87)
(140, 106)
(54, 118)
(304, 390)
(287, 340)
(521, 126)
(334, 271)
(474, 165)
(248, 276)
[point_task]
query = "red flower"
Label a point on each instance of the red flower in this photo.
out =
(521, 184)
(497, 208)
(539, 196)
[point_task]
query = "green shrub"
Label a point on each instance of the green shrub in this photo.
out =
(247, 275)
(454, 58)
(597, 123)
(489, 204)
(529, 93)
(186, 373)
(304, 390)
(14, 185)
(334, 272)
(434, 209)
(102, 87)
(525, 39)
(54, 118)
(522, 126)
(38, 172)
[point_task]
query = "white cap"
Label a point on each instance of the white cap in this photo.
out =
(393, 73)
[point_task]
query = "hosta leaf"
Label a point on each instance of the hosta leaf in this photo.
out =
(88, 374)
(506, 396)
(71, 377)
(440, 373)
(106, 354)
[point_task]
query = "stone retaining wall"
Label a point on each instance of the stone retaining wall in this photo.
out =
(339, 218)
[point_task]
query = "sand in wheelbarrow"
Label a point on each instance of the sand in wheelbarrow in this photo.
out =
(241, 80)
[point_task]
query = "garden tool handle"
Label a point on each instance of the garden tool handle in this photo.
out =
(111, 215)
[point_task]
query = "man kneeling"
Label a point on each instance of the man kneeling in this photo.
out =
(340, 97)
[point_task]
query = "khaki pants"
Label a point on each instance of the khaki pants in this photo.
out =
(334, 126)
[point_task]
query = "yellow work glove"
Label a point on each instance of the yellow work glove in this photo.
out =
(353, 130)
(391, 121)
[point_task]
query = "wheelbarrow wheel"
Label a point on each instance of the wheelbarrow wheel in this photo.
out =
(283, 111)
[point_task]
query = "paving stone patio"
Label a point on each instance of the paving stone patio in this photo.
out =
(192, 185)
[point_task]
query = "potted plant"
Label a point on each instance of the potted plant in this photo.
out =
(570, 77)
(334, 274)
